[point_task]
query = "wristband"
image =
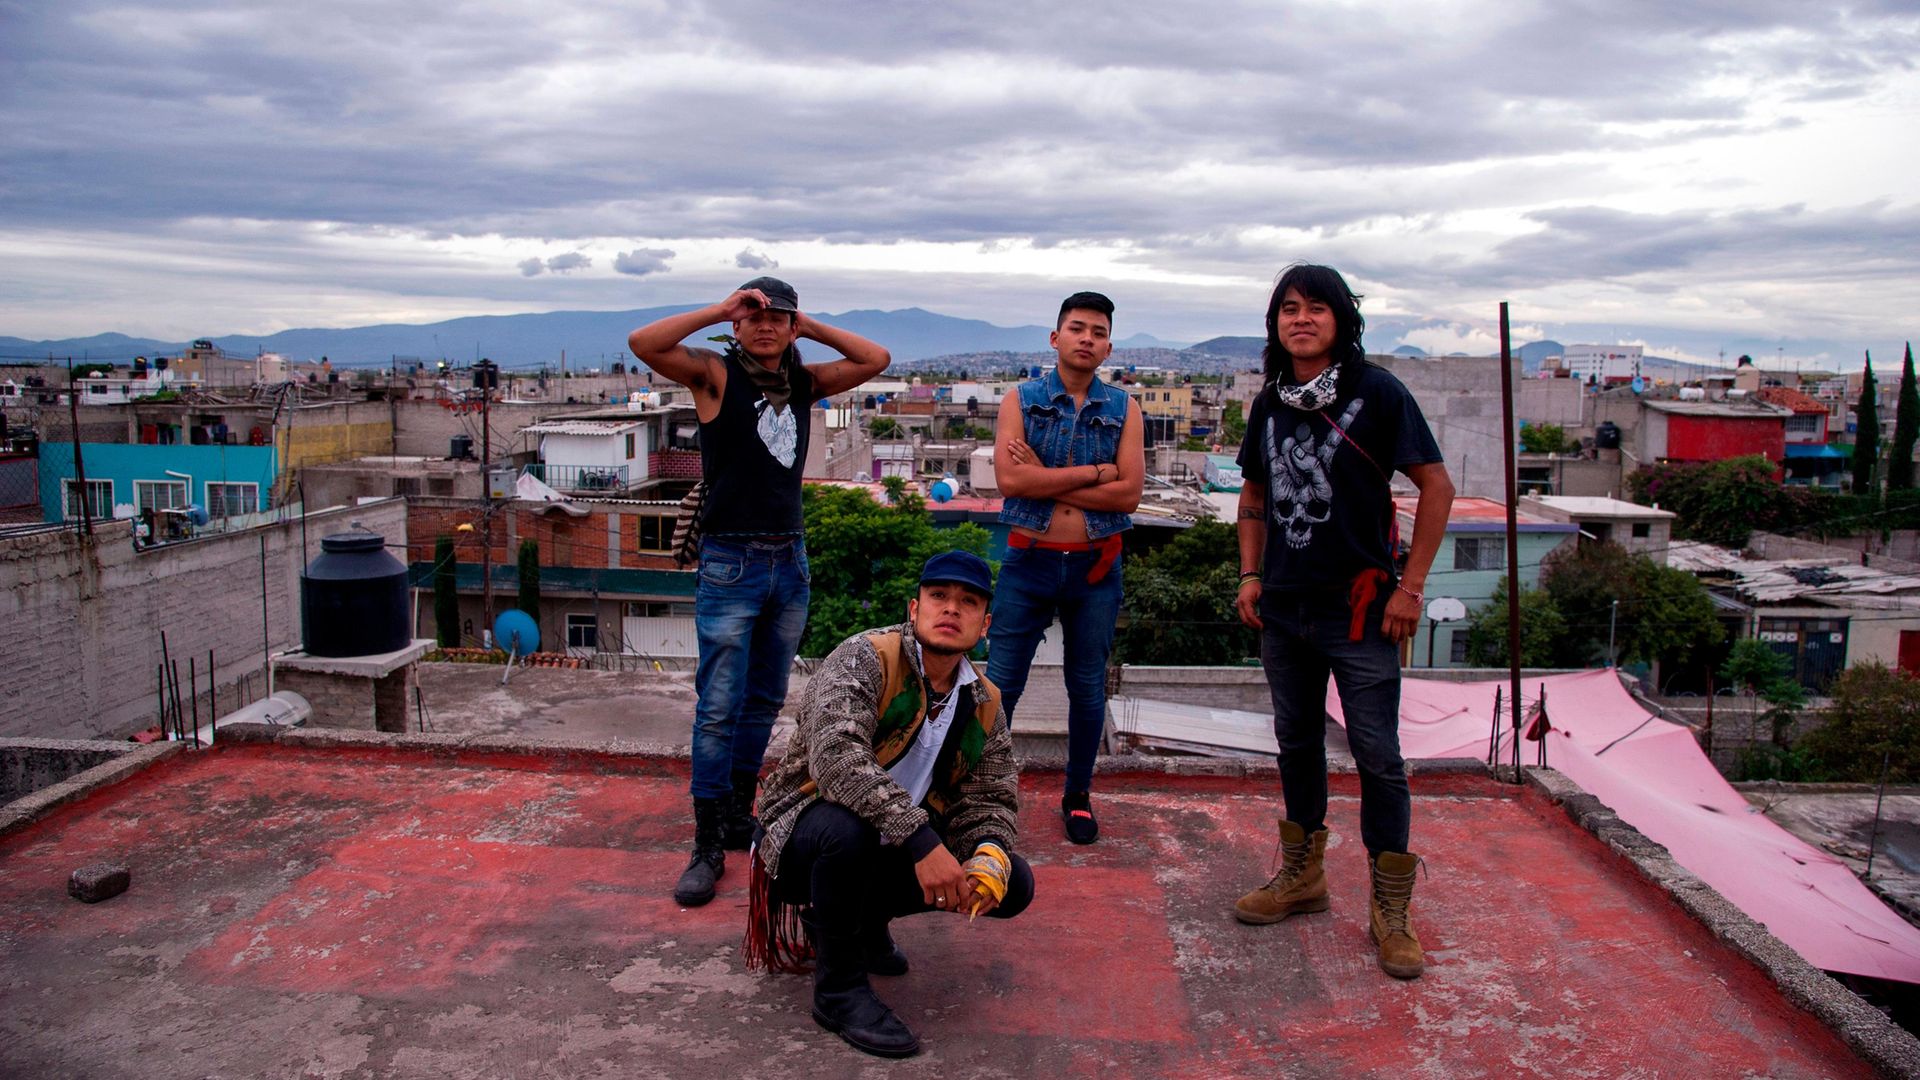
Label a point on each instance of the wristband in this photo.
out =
(1249, 575)
(1418, 597)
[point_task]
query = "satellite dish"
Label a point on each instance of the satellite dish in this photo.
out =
(1446, 609)
(515, 631)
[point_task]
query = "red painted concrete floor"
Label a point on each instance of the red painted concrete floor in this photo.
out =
(381, 914)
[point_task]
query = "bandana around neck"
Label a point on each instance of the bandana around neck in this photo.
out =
(776, 385)
(1313, 395)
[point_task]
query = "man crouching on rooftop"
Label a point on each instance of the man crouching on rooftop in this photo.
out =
(901, 767)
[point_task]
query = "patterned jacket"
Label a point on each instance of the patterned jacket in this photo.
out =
(863, 707)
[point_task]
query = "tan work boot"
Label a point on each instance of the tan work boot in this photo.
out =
(1299, 886)
(1391, 918)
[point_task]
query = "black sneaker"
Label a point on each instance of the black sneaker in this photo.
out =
(1076, 808)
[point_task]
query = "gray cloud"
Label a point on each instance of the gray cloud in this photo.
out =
(643, 261)
(1213, 141)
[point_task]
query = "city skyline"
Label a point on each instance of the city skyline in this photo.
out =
(1691, 180)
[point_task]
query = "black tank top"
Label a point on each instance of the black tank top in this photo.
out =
(752, 457)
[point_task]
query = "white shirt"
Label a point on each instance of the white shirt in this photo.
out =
(914, 770)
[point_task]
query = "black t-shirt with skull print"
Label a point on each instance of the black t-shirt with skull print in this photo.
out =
(1329, 511)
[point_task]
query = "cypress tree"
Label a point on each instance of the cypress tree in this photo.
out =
(1906, 430)
(446, 601)
(529, 601)
(1866, 432)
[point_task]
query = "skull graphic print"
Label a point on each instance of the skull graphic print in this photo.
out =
(1300, 492)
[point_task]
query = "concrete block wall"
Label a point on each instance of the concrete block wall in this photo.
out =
(80, 618)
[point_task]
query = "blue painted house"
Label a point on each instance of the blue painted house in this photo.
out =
(124, 479)
(1472, 562)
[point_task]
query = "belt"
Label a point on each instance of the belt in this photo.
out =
(1108, 548)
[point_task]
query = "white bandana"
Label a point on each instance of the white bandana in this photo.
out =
(1313, 395)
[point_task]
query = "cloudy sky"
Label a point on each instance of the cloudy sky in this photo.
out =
(1738, 176)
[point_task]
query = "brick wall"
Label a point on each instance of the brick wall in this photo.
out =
(80, 620)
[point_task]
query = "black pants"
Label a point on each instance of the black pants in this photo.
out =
(835, 862)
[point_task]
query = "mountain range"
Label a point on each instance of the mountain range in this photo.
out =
(597, 338)
(517, 341)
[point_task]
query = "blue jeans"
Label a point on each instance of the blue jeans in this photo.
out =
(1303, 641)
(749, 611)
(1034, 586)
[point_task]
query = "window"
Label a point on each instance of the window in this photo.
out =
(99, 499)
(659, 609)
(1457, 647)
(160, 494)
(629, 446)
(656, 533)
(583, 632)
(1480, 553)
(1642, 530)
(232, 500)
(1805, 424)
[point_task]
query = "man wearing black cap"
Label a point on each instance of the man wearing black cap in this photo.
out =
(898, 795)
(751, 603)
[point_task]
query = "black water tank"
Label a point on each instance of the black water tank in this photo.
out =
(353, 598)
(461, 447)
(1607, 436)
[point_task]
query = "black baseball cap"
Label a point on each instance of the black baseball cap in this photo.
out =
(960, 568)
(780, 295)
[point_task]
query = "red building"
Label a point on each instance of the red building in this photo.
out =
(1715, 431)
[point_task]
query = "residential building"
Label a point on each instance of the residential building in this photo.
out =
(1602, 363)
(1810, 458)
(1643, 530)
(1471, 564)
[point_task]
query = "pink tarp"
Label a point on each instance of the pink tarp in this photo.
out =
(1658, 780)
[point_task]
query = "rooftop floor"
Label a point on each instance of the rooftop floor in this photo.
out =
(405, 913)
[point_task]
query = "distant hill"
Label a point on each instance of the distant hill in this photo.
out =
(1248, 348)
(1409, 350)
(587, 337)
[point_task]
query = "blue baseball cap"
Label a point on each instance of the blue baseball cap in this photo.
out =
(959, 567)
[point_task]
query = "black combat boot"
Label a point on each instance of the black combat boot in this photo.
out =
(844, 1002)
(709, 862)
(739, 822)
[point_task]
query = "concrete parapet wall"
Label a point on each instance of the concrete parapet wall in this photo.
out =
(118, 766)
(27, 765)
(81, 617)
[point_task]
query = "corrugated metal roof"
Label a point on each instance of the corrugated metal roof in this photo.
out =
(581, 427)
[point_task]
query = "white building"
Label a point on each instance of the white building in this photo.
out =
(1603, 363)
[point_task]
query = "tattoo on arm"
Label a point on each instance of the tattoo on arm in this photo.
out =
(1252, 513)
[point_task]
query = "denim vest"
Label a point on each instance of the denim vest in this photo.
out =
(1059, 434)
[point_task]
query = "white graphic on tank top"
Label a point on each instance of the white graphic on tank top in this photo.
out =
(778, 431)
(1301, 495)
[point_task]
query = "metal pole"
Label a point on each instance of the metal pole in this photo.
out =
(1507, 464)
(79, 466)
(1886, 760)
(1493, 737)
(266, 629)
(1433, 631)
(1613, 620)
(486, 491)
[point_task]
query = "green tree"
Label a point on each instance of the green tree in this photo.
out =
(1542, 630)
(1906, 430)
(1179, 602)
(1233, 424)
(1754, 666)
(1664, 615)
(865, 559)
(1723, 502)
(1543, 438)
(1874, 719)
(446, 598)
(529, 599)
(885, 427)
(1866, 435)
